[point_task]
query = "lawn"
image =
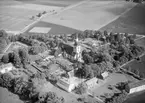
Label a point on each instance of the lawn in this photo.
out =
(113, 79)
(137, 98)
(8, 97)
(141, 42)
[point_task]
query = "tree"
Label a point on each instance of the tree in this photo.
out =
(24, 56)
(6, 80)
(3, 44)
(88, 71)
(141, 75)
(81, 89)
(87, 58)
(65, 38)
(16, 60)
(96, 70)
(5, 58)
(34, 50)
(3, 34)
(49, 97)
(85, 72)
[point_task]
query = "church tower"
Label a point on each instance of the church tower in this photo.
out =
(77, 48)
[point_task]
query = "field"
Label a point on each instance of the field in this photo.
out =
(90, 15)
(51, 2)
(15, 15)
(131, 22)
(9, 97)
(54, 28)
(138, 98)
(139, 65)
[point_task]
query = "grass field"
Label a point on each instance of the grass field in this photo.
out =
(90, 15)
(131, 22)
(8, 97)
(138, 98)
(140, 66)
(54, 28)
(51, 2)
(15, 15)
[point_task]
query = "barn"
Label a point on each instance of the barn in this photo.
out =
(135, 87)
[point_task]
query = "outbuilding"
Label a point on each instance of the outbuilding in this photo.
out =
(104, 75)
(92, 82)
(135, 87)
(6, 68)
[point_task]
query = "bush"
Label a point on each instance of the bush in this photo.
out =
(49, 97)
(141, 75)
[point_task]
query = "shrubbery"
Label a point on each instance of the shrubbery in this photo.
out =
(81, 88)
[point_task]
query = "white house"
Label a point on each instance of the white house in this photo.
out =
(92, 82)
(69, 84)
(136, 87)
(6, 68)
(105, 74)
(65, 84)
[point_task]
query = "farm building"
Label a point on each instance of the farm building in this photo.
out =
(135, 87)
(104, 75)
(92, 82)
(6, 68)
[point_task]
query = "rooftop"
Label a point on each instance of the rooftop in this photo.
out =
(136, 84)
(6, 65)
(88, 82)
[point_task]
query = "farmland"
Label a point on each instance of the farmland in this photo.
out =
(54, 28)
(135, 64)
(13, 19)
(88, 15)
(131, 22)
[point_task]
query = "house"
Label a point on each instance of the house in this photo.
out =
(71, 73)
(135, 87)
(6, 68)
(92, 82)
(68, 84)
(104, 75)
